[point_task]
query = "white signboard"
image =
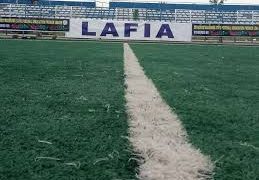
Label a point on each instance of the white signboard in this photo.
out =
(129, 30)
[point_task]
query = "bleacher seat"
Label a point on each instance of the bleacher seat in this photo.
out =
(176, 15)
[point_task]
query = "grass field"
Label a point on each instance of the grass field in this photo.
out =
(215, 92)
(62, 113)
(61, 106)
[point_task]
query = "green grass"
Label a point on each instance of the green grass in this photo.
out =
(215, 92)
(68, 93)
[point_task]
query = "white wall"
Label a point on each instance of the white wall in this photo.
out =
(180, 31)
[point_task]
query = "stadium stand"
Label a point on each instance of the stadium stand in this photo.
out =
(166, 6)
(88, 3)
(175, 15)
(36, 11)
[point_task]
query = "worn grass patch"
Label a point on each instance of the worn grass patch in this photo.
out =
(215, 92)
(62, 111)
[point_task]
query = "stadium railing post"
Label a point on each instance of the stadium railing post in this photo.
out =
(71, 11)
(175, 14)
(237, 19)
(190, 16)
(10, 10)
(252, 17)
(220, 39)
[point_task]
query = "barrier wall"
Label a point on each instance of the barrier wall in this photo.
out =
(225, 30)
(34, 24)
(129, 30)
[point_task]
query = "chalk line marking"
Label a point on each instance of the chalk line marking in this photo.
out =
(156, 133)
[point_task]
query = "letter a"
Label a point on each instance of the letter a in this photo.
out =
(109, 29)
(165, 31)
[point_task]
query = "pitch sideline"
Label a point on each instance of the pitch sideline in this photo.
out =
(156, 132)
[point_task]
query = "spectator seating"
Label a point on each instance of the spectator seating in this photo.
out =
(177, 15)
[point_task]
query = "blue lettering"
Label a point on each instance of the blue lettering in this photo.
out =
(85, 30)
(109, 29)
(147, 30)
(128, 28)
(165, 31)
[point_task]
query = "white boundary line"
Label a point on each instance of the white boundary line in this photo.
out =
(156, 133)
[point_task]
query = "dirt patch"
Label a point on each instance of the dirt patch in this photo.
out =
(156, 132)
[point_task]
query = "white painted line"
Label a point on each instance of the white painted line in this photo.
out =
(156, 133)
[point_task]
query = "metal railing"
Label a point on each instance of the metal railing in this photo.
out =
(178, 15)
